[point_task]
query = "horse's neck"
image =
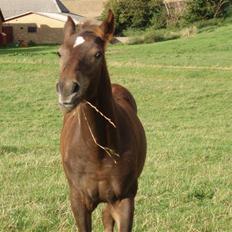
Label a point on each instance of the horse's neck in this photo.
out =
(104, 131)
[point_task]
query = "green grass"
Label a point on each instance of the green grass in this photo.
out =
(172, 32)
(183, 90)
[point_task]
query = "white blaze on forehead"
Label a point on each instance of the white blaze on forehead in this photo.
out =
(79, 40)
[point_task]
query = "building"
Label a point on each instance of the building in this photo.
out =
(12, 8)
(2, 35)
(35, 22)
(38, 28)
(1, 20)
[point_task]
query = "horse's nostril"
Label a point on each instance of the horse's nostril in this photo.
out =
(76, 87)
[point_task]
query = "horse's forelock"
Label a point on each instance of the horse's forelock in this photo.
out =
(89, 27)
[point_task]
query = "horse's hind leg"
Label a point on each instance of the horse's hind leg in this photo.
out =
(107, 219)
(123, 212)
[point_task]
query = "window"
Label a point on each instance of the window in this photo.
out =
(32, 29)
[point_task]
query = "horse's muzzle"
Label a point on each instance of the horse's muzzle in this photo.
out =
(69, 95)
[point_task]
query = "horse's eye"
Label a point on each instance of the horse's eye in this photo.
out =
(98, 55)
(58, 54)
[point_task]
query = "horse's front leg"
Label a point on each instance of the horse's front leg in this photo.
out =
(107, 219)
(81, 211)
(123, 212)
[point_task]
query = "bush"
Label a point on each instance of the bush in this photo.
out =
(137, 14)
(159, 16)
(198, 10)
(152, 36)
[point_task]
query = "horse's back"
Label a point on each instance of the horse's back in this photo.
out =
(130, 126)
(122, 96)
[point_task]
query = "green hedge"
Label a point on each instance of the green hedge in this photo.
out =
(137, 14)
(144, 14)
(198, 10)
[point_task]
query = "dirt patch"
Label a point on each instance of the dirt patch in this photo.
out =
(87, 8)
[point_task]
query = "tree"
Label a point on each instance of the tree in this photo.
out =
(206, 9)
(136, 14)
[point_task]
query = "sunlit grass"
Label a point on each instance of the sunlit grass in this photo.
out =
(183, 90)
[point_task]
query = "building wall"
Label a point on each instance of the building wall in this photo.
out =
(3, 38)
(1, 24)
(49, 31)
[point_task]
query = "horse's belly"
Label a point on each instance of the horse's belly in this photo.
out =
(106, 191)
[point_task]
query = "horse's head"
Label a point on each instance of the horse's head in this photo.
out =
(82, 58)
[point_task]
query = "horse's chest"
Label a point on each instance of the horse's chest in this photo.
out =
(100, 186)
(98, 190)
(98, 178)
(97, 182)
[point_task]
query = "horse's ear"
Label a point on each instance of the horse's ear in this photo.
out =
(69, 28)
(107, 26)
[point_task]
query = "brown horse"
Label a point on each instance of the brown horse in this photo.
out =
(103, 143)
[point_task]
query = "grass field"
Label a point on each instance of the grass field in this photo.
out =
(183, 90)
